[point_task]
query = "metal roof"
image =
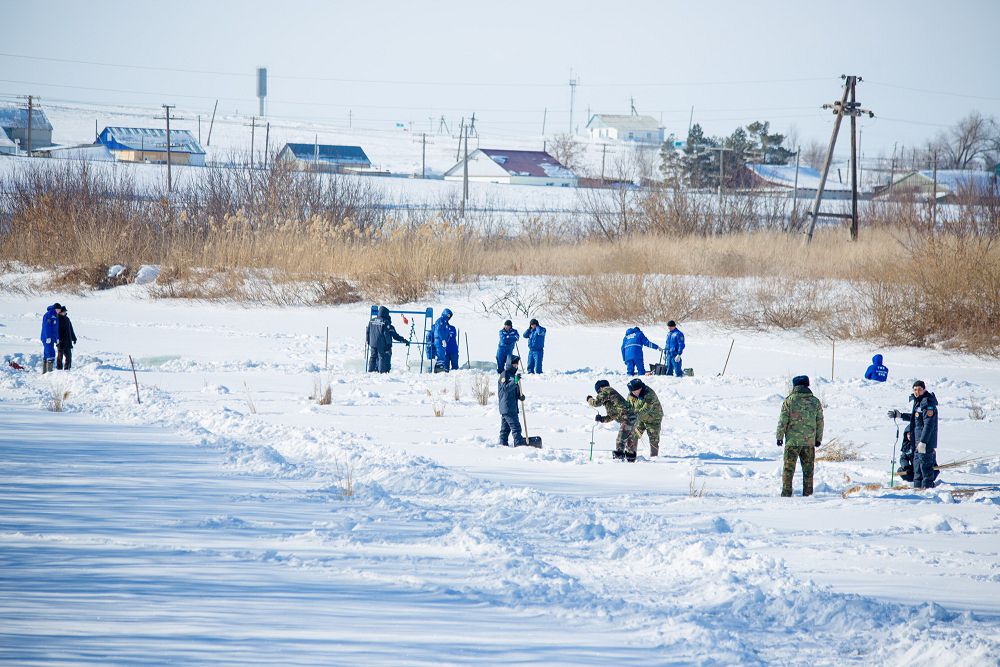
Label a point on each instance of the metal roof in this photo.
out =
(528, 163)
(627, 123)
(784, 175)
(150, 139)
(17, 118)
(328, 153)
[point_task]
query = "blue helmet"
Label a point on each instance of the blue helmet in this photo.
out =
(447, 313)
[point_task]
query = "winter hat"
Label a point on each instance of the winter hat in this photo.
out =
(635, 383)
(514, 359)
(533, 321)
(447, 313)
(601, 384)
(671, 323)
(800, 381)
(57, 306)
(508, 323)
(920, 383)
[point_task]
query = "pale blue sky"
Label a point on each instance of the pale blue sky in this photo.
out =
(386, 62)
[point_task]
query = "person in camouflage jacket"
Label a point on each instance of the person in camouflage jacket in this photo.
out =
(620, 411)
(800, 430)
(648, 411)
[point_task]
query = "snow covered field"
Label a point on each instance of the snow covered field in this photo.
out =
(210, 523)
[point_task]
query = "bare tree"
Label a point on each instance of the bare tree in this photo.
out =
(813, 154)
(967, 142)
(566, 149)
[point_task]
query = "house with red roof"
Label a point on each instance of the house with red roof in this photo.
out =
(491, 165)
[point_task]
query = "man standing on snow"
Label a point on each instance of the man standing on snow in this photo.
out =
(508, 394)
(877, 371)
(674, 348)
(632, 345)
(920, 439)
(451, 347)
(67, 338)
(648, 411)
(620, 411)
(800, 430)
(440, 331)
(380, 335)
(508, 337)
(50, 336)
(535, 334)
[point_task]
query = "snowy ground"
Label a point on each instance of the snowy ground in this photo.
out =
(195, 529)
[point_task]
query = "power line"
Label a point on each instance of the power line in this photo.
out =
(924, 91)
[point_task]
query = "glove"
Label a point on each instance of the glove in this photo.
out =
(781, 443)
(818, 443)
(893, 414)
(407, 343)
(677, 358)
(48, 341)
(598, 419)
(521, 398)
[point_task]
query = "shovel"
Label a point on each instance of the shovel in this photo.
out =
(531, 441)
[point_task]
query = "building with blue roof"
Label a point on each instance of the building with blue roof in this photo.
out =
(325, 157)
(14, 123)
(149, 144)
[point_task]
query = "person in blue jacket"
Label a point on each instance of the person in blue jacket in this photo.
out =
(505, 347)
(535, 335)
(632, 345)
(440, 332)
(674, 349)
(877, 371)
(50, 336)
(451, 347)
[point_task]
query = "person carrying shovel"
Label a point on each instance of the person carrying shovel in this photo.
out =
(620, 411)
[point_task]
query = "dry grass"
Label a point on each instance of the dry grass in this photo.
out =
(344, 473)
(59, 396)
(976, 411)
(694, 491)
(482, 388)
(838, 450)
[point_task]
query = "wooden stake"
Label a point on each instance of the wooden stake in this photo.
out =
(326, 350)
(136, 378)
(726, 365)
(833, 357)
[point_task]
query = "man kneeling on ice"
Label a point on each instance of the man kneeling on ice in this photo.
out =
(508, 394)
(620, 411)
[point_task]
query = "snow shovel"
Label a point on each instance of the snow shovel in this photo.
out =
(530, 440)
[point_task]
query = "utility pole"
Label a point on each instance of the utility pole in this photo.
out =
(166, 109)
(934, 198)
(199, 128)
(423, 157)
(722, 170)
(631, 102)
(572, 99)
(604, 155)
(267, 142)
(465, 171)
(31, 108)
(350, 118)
(840, 109)
(690, 121)
(545, 117)
(795, 189)
(461, 134)
(212, 124)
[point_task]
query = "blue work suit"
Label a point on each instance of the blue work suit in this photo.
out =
(632, 345)
(923, 430)
(50, 333)
(877, 371)
(536, 348)
(441, 332)
(674, 348)
(451, 347)
(506, 347)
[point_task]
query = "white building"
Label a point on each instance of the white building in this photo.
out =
(490, 165)
(641, 129)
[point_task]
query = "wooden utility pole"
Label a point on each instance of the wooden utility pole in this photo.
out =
(166, 109)
(604, 155)
(253, 131)
(795, 189)
(465, 173)
(840, 109)
(212, 124)
(934, 197)
(461, 134)
(423, 156)
(267, 142)
(31, 108)
(545, 117)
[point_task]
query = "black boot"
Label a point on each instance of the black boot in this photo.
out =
(630, 457)
(618, 455)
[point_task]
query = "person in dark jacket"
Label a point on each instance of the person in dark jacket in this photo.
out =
(920, 438)
(508, 395)
(380, 335)
(877, 371)
(50, 336)
(505, 347)
(451, 347)
(632, 345)
(440, 331)
(535, 335)
(67, 339)
(621, 411)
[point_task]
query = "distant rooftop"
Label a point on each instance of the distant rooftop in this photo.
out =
(349, 155)
(528, 163)
(626, 123)
(150, 139)
(17, 118)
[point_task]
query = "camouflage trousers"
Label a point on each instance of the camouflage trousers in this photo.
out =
(628, 437)
(807, 455)
(652, 429)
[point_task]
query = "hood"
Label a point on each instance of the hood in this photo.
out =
(931, 398)
(383, 312)
(446, 313)
(509, 366)
(51, 310)
(877, 360)
(631, 331)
